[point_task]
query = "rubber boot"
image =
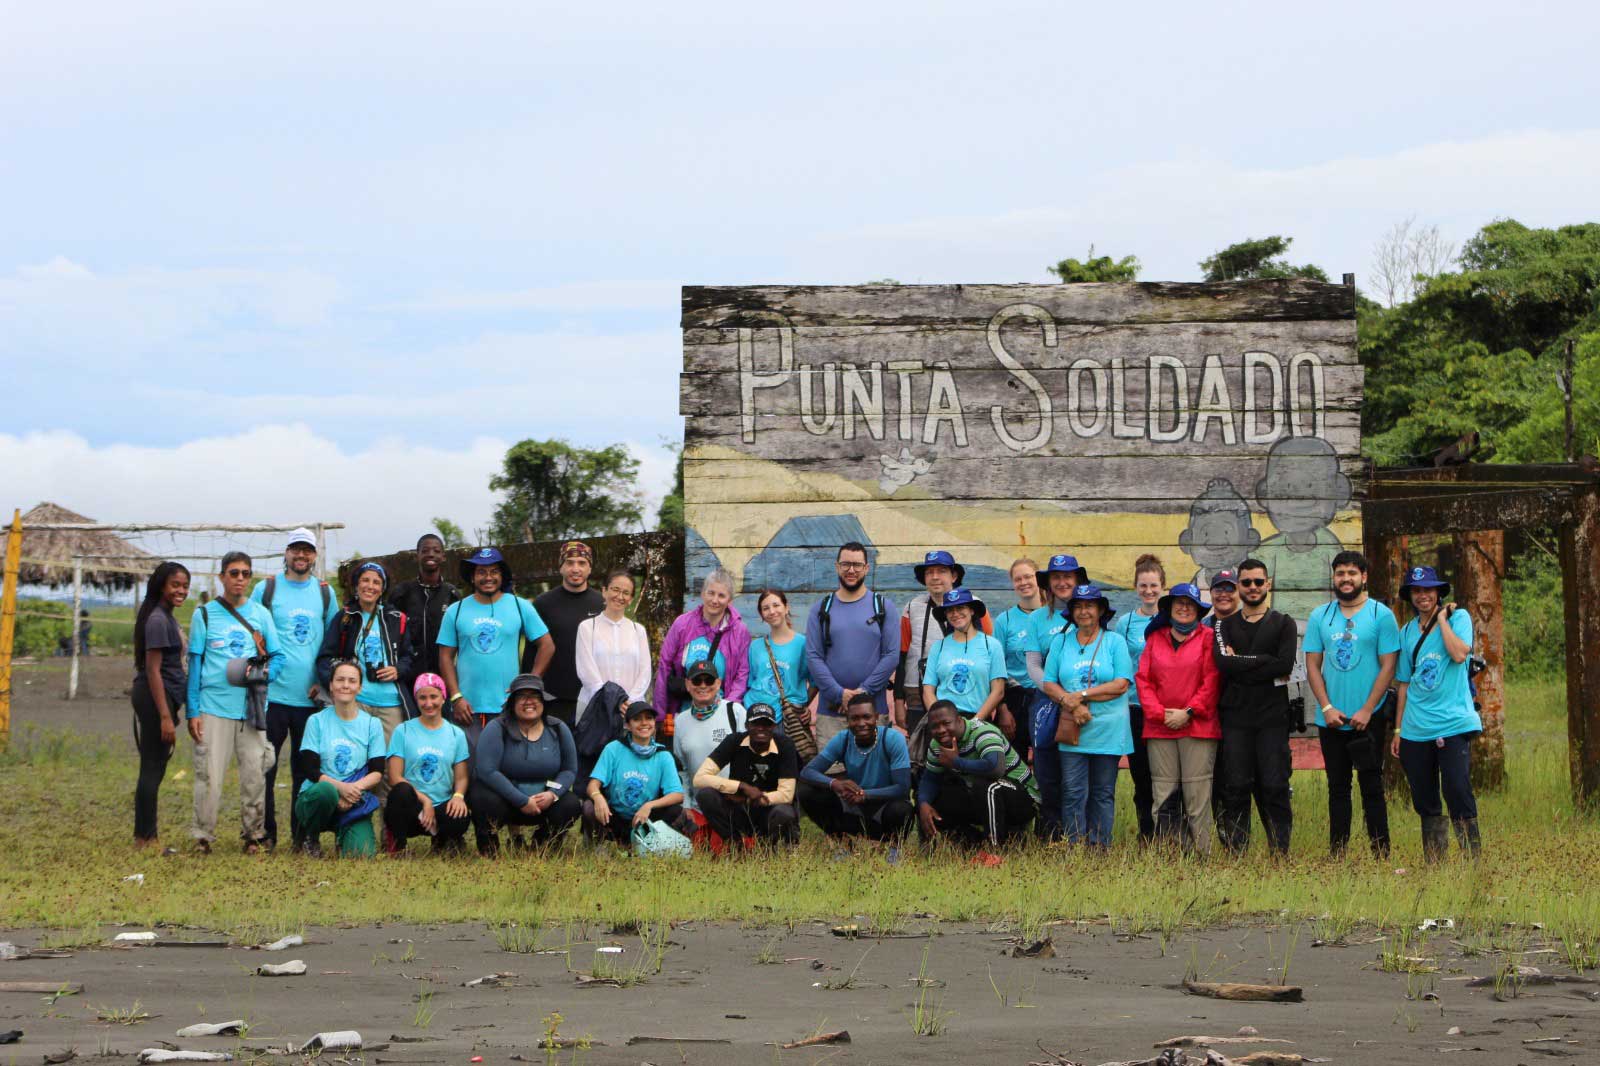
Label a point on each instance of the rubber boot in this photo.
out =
(1467, 838)
(1435, 838)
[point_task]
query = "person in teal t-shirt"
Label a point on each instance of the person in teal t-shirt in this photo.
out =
(1089, 673)
(342, 760)
(1013, 628)
(1352, 648)
(1149, 584)
(427, 775)
(636, 781)
(788, 651)
(480, 641)
(1437, 720)
(968, 667)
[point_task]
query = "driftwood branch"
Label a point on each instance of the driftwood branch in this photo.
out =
(841, 1037)
(1252, 993)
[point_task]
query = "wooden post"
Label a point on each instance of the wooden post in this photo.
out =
(322, 551)
(1386, 560)
(1481, 568)
(77, 606)
(8, 620)
(1580, 545)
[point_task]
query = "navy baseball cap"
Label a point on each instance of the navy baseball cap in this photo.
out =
(1229, 578)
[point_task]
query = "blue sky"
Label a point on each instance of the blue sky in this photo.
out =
(339, 251)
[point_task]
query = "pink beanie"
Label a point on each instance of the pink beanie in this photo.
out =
(429, 681)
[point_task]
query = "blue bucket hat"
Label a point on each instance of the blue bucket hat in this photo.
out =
(377, 568)
(938, 558)
(1090, 594)
(1187, 591)
(486, 557)
(1424, 577)
(960, 598)
(1062, 564)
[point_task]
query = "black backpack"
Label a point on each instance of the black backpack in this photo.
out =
(826, 622)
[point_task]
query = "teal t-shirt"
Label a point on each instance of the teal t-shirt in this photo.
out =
(373, 651)
(345, 747)
(1438, 696)
(696, 650)
(217, 637)
(1350, 648)
(430, 756)
(1043, 625)
(1013, 628)
(487, 638)
(629, 781)
(1076, 667)
(1131, 627)
(301, 620)
(792, 668)
(961, 672)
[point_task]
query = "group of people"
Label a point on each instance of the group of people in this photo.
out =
(437, 708)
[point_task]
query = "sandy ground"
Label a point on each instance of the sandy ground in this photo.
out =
(1104, 997)
(39, 690)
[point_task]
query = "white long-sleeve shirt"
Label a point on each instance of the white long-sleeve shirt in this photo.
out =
(612, 651)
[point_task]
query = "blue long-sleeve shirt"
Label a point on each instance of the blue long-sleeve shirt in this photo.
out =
(215, 636)
(862, 651)
(517, 768)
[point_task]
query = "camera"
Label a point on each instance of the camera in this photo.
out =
(371, 670)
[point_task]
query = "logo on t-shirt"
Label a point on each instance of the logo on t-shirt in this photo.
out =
(427, 767)
(696, 650)
(238, 642)
(298, 631)
(1016, 638)
(344, 758)
(1346, 652)
(1086, 673)
(633, 790)
(487, 637)
(372, 649)
(1430, 671)
(960, 679)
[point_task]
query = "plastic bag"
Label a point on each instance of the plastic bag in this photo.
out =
(659, 838)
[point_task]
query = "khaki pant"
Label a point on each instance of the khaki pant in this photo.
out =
(390, 717)
(224, 737)
(1187, 763)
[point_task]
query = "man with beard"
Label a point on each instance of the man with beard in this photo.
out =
(1255, 653)
(851, 644)
(423, 602)
(480, 642)
(1352, 649)
(564, 608)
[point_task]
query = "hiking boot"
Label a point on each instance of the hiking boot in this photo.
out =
(1467, 838)
(1435, 838)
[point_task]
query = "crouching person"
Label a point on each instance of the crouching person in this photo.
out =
(872, 799)
(427, 775)
(526, 766)
(756, 798)
(635, 781)
(975, 785)
(341, 762)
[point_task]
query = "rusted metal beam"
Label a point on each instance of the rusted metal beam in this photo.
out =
(1484, 474)
(1467, 511)
(1479, 576)
(1580, 572)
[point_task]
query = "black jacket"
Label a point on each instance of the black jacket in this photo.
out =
(1262, 653)
(424, 608)
(339, 643)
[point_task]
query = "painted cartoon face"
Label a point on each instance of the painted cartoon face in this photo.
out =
(344, 759)
(487, 637)
(1219, 538)
(299, 627)
(1303, 488)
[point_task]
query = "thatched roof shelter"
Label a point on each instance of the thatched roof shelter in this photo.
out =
(109, 561)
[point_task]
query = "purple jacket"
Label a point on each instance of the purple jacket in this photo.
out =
(685, 630)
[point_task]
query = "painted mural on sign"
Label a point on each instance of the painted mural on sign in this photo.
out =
(1203, 423)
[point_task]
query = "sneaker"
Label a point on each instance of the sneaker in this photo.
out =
(311, 848)
(391, 844)
(202, 847)
(987, 859)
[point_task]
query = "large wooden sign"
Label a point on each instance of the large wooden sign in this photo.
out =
(1200, 422)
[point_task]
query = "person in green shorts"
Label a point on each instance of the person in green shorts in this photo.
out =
(341, 759)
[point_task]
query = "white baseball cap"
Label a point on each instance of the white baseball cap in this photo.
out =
(301, 536)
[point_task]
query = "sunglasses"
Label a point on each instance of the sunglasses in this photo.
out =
(1252, 582)
(236, 573)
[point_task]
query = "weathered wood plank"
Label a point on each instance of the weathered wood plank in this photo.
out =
(1464, 513)
(968, 347)
(806, 305)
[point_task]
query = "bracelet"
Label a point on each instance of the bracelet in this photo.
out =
(457, 696)
(457, 796)
(1326, 707)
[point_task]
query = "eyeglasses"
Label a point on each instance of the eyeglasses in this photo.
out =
(1252, 582)
(236, 573)
(852, 566)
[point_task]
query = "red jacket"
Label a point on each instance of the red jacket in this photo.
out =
(1185, 676)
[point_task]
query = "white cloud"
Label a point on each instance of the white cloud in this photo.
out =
(386, 493)
(574, 298)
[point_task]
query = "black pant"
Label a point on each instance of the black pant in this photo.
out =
(404, 807)
(1336, 762)
(1430, 763)
(285, 722)
(989, 812)
(1018, 699)
(1256, 764)
(732, 821)
(153, 754)
(620, 828)
(878, 819)
(490, 811)
(1139, 769)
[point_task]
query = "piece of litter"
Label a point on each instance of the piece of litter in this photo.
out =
(476, 1058)
(322, 884)
(9, 951)
(489, 980)
(10, 1036)
(1430, 924)
(137, 938)
(137, 879)
(213, 1028)
(291, 941)
(161, 1054)
(347, 1039)
(1247, 1030)
(1454, 1030)
(292, 968)
(608, 951)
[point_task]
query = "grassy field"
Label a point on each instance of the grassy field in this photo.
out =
(67, 829)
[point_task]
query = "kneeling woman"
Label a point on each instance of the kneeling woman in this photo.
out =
(341, 761)
(636, 781)
(525, 769)
(427, 775)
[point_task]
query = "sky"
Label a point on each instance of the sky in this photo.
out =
(296, 262)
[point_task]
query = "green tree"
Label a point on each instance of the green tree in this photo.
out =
(1093, 268)
(554, 490)
(1257, 258)
(452, 535)
(670, 515)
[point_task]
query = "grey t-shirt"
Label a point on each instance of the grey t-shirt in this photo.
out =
(161, 633)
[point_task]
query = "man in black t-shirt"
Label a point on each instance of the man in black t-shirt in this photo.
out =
(756, 799)
(564, 608)
(423, 602)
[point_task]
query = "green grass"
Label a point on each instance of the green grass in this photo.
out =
(67, 833)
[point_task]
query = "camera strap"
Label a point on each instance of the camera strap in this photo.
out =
(237, 617)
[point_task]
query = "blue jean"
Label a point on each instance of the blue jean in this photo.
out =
(1430, 764)
(1088, 796)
